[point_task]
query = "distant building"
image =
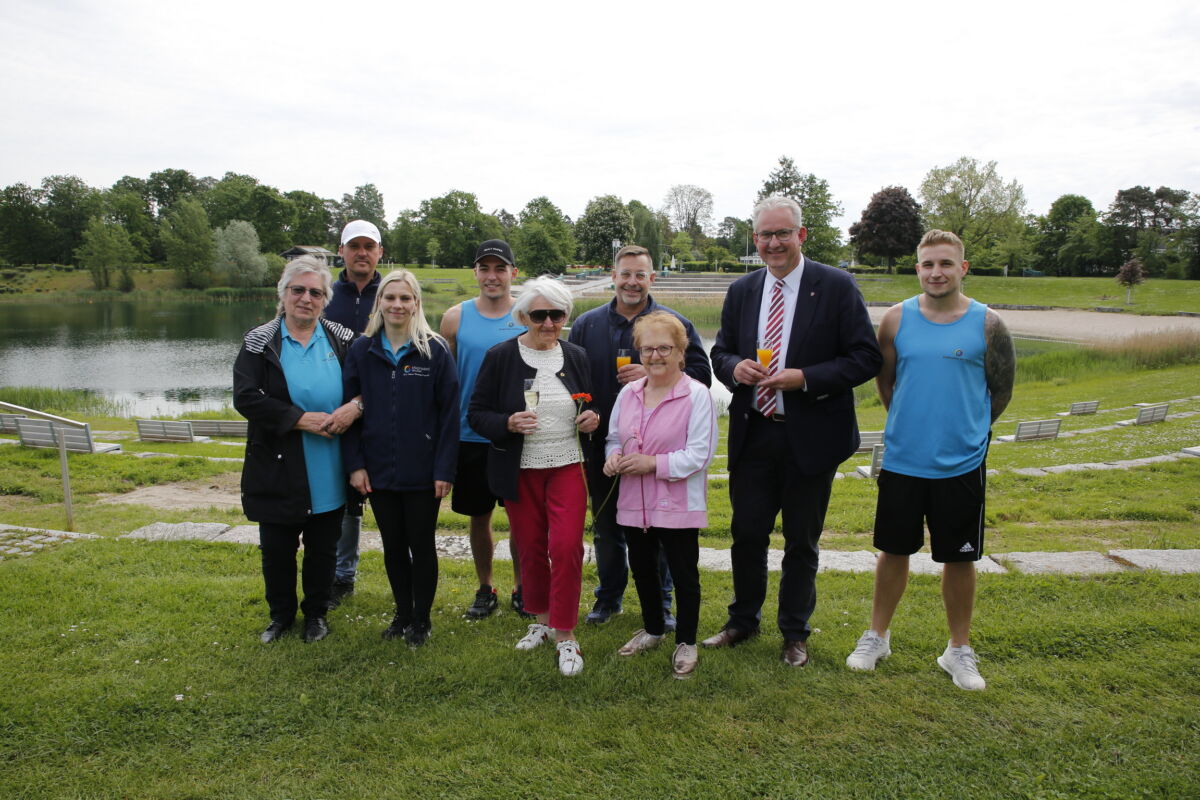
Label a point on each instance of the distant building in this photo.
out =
(310, 250)
(752, 261)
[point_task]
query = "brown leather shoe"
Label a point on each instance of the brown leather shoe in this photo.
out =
(795, 653)
(728, 637)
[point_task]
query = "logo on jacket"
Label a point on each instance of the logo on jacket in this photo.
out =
(416, 371)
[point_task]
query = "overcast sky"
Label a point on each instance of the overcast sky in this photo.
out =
(512, 100)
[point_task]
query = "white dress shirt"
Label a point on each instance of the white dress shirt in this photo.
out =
(791, 291)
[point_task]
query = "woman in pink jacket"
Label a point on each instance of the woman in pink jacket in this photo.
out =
(661, 439)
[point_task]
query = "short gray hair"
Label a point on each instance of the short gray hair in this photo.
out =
(545, 287)
(777, 201)
(299, 266)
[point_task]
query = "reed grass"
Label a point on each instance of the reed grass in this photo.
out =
(65, 401)
(1153, 350)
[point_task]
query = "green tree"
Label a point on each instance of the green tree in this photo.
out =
(1055, 228)
(736, 235)
(314, 222)
(539, 219)
(70, 204)
(1130, 275)
(433, 249)
(237, 260)
(682, 247)
(366, 203)
(406, 239)
(274, 218)
(131, 209)
(1081, 251)
(167, 187)
(26, 235)
(817, 206)
(651, 229)
(187, 238)
(715, 254)
(890, 225)
(604, 220)
(458, 224)
(105, 247)
(973, 201)
(540, 251)
(229, 199)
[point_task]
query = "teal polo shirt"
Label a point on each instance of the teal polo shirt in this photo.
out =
(397, 355)
(314, 379)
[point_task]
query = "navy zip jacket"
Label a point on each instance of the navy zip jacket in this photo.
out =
(350, 307)
(407, 437)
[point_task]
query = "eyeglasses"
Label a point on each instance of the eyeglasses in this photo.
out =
(555, 315)
(781, 234)
(624, 276)
(315, 294)
(663, 350)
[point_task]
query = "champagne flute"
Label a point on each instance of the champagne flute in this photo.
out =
(765, 352)
(531, 394)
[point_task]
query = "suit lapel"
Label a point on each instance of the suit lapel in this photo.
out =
(807, 298)
(753, 304)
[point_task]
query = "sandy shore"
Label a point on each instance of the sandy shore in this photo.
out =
(1082, 326)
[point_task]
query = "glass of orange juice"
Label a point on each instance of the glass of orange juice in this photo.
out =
(624, 358)
(765, 351)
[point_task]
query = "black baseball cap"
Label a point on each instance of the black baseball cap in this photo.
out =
(497, 248)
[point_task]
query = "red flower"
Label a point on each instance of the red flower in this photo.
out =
(584, 396)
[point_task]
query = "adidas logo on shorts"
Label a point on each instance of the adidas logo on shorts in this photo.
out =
(966, 548)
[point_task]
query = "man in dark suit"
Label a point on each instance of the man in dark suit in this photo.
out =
(795, 340)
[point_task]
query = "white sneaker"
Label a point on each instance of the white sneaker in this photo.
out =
(640, 642)
(538, 633)
(570, 660)
(870, 649)
(963, 665)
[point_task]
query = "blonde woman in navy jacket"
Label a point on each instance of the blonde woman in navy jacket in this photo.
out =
(402, 454)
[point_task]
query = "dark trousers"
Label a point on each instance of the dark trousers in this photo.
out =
(279, 544)
(765, 481)
(680, 547)
(407, 521)
(608, 540)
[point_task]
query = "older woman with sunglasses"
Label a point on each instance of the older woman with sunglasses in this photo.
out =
(531, 402)
(287, 381)
(661, 439)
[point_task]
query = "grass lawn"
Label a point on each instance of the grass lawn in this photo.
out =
(132, 670)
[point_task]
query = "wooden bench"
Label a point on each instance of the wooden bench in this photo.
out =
(872, 471)
(1081, 408)
(165, 430)
(867, 441)
(1033, 431)
(1147, 414)
(218, 427)
(8, 422)
(44, 433)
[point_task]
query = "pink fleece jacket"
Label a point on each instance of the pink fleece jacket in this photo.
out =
(681, 432)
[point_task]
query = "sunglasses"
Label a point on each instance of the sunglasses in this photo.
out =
(555, 315)
(298, 291)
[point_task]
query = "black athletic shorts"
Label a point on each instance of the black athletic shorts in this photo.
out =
(471, 495)
(952, 508)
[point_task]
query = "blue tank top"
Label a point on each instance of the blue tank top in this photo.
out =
(477, 333)
(940, 418)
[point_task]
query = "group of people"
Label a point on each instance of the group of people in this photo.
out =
(351, 396)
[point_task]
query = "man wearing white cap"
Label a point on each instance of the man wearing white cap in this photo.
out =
(353, 297)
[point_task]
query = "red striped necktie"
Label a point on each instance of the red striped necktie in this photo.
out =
(765, 399)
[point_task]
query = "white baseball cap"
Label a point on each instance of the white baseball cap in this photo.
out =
(360, 227)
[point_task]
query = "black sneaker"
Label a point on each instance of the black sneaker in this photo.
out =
(315, 629)
(485, 603)
(341, 590)
(518, 605)
(417, 634)
(397, 629)
(602, 611)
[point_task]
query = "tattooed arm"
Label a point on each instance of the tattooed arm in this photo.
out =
(999, 364)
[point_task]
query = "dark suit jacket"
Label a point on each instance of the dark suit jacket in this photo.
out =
(831, 340)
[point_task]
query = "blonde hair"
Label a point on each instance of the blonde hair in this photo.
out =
(935, 237)
(668, 323)
(419, 330)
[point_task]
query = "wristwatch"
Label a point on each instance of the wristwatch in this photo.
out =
(360, 406)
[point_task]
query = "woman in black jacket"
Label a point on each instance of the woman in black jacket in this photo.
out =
(534, 461)
(402, 454)
(287, 381)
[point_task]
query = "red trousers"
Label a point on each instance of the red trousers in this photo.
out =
(546, 521)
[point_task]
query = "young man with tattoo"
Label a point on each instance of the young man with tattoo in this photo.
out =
(947, 374)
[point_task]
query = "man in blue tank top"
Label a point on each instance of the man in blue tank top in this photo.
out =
(471, 327)
(947, 375)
